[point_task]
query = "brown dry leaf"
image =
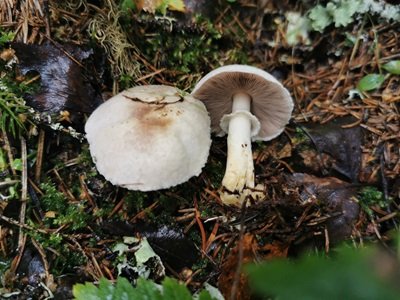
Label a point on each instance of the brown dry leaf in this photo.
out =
(149, 6)
(337, 196)
(7, 54)
(226, 281)
(50, 214)
(337, 149)
(392, 91)
(274, 250)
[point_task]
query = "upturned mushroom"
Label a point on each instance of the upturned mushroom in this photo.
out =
(248, 104)
(149, 137)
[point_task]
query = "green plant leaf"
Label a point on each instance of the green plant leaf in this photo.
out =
(87, 291)
(392, 67)
(123, 290)
(348, 275)
(343, 15)
(144, 290)
(204, 295)
(105, 289)
(17, 164)
(320, 18)
(370, 82)
(173, 290)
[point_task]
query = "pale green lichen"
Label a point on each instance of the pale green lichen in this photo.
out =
(341, 13)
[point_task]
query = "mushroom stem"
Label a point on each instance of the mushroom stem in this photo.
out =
(239, 173)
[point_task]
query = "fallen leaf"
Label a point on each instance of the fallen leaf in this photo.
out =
(391, 92)
(50, 214)
(149, 6)
(336, 196)
(227, 280)
(170, 243)
(274, 250)
(64, 84)
(338, 148)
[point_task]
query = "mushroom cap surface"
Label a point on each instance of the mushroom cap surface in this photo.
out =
(149, 137)
(271, 102)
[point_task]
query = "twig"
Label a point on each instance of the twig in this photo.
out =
(42, 253)
(24, 192)
(85, 191)
(24, 226)
(326, 233)
(7, 183)
(7, 147)
(201, 228)
(39, 156)
(236, 278)
(144, 212)
(212, 236)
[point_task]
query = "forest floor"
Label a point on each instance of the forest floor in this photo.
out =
(331, 179)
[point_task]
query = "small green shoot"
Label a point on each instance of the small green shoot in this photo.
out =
(6, 37)
(370, 82)
(12, 109)
(393, 67)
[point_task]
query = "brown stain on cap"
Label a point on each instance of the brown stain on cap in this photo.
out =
(153, 119)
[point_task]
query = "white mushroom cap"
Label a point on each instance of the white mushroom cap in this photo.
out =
(271, 103)
(149, 137)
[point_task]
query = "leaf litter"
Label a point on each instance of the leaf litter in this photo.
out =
(342, 140)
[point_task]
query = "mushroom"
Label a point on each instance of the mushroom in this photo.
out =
(248, 104)
(149, 137)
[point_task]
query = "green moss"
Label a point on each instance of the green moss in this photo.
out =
(66, 213)
(300, 137)
(62, 259)
(370, 196)
(135, 201)
(74, 216)
(52, 199)
(215, 170)
(184, 48)
(85, 158)
(182, 51)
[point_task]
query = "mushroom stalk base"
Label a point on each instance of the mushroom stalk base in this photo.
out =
(238, 181)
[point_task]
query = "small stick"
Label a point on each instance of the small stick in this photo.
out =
(9, 152)
(212, 236)
(7, 183)
(236, 278)
(42, 253)
(201, 227)
(24, 226)
(39, 156)
(326, 240)
(24, 192)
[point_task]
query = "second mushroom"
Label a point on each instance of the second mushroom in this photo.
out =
(248, 104)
